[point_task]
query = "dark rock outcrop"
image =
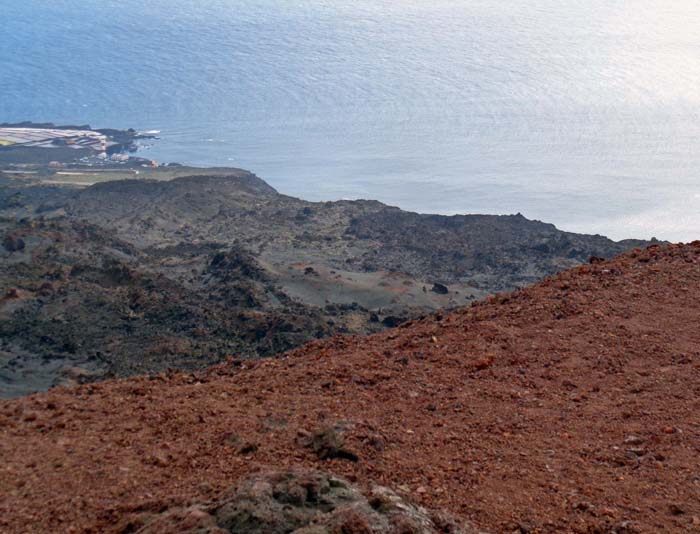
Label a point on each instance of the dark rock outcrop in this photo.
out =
(151, 274)
(12, 243)
(440, 289)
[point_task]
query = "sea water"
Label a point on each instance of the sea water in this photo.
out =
(582, 113)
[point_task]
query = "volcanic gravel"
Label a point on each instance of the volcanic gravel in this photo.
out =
(569, 406)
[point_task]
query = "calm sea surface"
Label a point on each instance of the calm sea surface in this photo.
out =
(583, 113)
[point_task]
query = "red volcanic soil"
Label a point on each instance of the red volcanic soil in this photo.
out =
(569, 406)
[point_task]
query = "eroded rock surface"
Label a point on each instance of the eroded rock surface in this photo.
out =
(304, 501)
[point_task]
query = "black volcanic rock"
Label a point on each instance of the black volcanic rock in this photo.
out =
(149, 274)
(12, 243)
(504, 251)
(440, 289)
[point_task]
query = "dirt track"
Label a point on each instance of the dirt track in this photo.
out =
(570, 406)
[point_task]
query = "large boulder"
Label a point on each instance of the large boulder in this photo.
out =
(305, 502)
(13, 243)
(440, 289)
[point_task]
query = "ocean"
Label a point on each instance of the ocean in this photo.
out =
(582, 113)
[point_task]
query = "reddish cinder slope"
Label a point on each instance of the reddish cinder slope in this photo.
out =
(570, 406)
